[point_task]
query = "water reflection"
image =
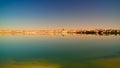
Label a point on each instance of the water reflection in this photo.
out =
(99, 63)
(51, 50)
(30, 64)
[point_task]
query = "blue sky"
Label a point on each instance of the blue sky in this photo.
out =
(57, 14)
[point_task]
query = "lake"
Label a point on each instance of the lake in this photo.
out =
(49, 51)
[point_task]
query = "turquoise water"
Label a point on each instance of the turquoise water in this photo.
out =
(59, 51)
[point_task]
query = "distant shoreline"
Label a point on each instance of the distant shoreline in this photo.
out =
(63, 32)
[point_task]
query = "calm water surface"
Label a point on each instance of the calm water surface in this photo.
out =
(59, 52)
